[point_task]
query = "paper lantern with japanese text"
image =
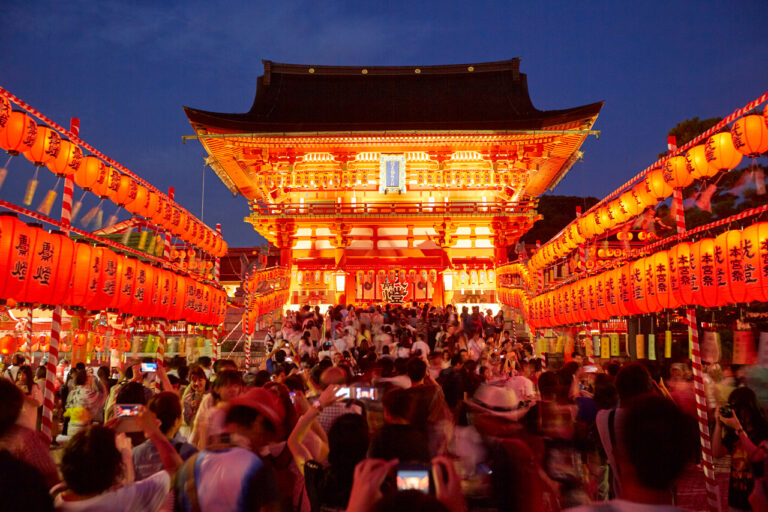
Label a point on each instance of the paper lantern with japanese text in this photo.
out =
(90, 170)
(698, 167)
(661, 283)
(5, 114)
(19, 134)
(606, 217)
(68, 161)
(750, 135)
(17, 254)
(619, 213)
(125, 283)
(112, 268)
(177, 297)
(625, 290)
(93, 300)
(651, 304)
(165, 293)
(754, 257)
(676, 173)
(123, 189)
(139, 204)
(591, 295)
(703, 267)
(154, 207)
(142, 289)
(106, 176)
(610, 289)
(77, 293)
(638, 286)
(153, 276)
(720, 152)
(644, 194)
(50, 269)
(721, 268)
(658, 185)
(629, 204)
(45, 148)
(681, 274)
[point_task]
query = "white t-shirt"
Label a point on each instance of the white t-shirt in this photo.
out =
(146, 495)
(522, 386)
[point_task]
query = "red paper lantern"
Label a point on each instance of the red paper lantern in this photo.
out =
(698, 167)
(610, 288)
(750, 135)
(155, 207)
(658, 185)
(681, 274)
(5, 114)
(112, 270)
(143, 290)
(18, 253)
(676, 173)
(93, 300)
(105, 177)
(7, 345)
(68, 161)
(125, 192)
(50, 269)
(619, 214)
(19, 134)
(720, 152)
(661, 280)
(629, 204)
(91, 169)
(639, 289)
(592, 298)
(45, 148)
(177, 297)
(165, 294)
(625, 290)
(703, 271)
(645, 195)
(79, 339)
(139, 204)
(77, 293)
(125, 284)
(754, 257)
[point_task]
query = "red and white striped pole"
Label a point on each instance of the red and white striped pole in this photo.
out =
(710, 483)
(29, 335)
(49, 394)
(707, 463)
(217, 328)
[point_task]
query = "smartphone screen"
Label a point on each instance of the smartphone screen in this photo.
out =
(413, 478)
(293, 397)
(123, 410)
(344, 392)
(148, 367)
(367, 393)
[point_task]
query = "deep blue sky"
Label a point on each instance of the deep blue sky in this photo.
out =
(126, 68)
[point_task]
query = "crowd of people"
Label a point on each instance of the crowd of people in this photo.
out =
(387, 408)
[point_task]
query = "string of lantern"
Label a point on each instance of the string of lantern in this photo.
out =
(729, 269)
(43, 145)
(721, 151)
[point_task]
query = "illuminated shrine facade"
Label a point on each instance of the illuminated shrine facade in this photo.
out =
(389, 184)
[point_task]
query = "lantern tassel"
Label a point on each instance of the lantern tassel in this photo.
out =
(143, 240)
(759, 175)
(76, 208)
(159, 245)
(99, 221)
(88, 217)
(3, 174)
(112, 220)
(30, 193)
(47, 203)
(126, 237)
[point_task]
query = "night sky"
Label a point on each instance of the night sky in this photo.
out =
(126, 68)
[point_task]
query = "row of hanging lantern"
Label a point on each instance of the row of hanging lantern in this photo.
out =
(729, 269)
(260, 305)
(47, 268)
(43, 146)
(515, 270)
(722, 151)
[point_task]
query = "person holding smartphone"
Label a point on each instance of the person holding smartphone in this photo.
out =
(740, 426)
